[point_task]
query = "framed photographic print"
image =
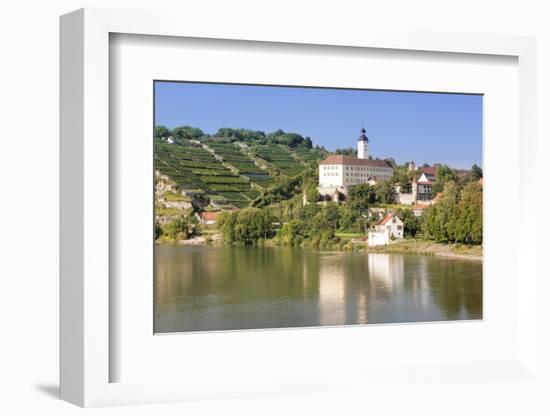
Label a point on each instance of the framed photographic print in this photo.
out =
(259, 228)
(295, 198)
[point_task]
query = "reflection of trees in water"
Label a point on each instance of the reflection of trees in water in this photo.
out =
(411, 288)
(179, 273)
(234, 275)
(456, 287)
(315, 287)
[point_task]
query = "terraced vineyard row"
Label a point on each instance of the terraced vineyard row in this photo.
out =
(193, 167)
(232, 154)
(309, 155)
(281, 158)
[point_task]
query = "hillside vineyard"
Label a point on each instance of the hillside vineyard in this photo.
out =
(228, 173)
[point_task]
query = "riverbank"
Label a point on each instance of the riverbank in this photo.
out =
(406, 246)
(413, 246)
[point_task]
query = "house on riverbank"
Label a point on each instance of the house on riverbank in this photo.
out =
(388, 228)
(207, 217)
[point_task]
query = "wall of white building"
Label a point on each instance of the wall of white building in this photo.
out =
(354, 174)
(331, 175)
(379, 238)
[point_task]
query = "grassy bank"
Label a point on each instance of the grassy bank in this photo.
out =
(351, 242)
(412, 246)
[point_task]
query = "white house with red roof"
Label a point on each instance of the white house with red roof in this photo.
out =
(207, 217)
(388, 228)
(338, 172)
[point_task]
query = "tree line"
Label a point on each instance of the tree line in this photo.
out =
(280, 214)
(228, 135)
(458, 216)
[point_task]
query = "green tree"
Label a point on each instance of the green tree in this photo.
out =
(158, 230)
(292, 233)
(246, 226)
(440, 223)
(443, 174)
(411, 223)
(177, 229)
(161, 132)
(183, 133)
(385, 192)
(402, 176)
(327, 218)
(348, 151)
(469, 221)
(241, 134)
(312, 195)
(476, 173)
(349, 220)
(286, 138)
(226, 222)
(361, 196)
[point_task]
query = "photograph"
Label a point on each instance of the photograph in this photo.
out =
(296, 206)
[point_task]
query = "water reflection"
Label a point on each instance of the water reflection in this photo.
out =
(219, 288)
(332, 290)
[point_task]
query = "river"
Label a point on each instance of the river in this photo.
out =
(206, 288)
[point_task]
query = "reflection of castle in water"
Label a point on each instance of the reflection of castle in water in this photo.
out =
(375, 287)
(332, 292)
(341, 299)
(213, 288)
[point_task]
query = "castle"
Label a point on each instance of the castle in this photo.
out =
(337, 172)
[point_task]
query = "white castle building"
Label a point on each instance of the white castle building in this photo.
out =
(337, 172)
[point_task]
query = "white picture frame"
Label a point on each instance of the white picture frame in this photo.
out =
(86, 356)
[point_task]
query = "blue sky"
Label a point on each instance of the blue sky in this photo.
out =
(424, 127)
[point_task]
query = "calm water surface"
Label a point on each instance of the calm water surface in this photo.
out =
(221, 288)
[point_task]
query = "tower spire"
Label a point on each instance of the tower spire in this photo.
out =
(363, 136)
(363, 145)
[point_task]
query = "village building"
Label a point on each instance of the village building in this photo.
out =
(421, 191)
(418, 210)
(169, 139)
(388, 228)
(338, 172)
(426, 183)
(207, 217)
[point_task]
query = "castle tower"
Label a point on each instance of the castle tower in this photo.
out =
(363, 145)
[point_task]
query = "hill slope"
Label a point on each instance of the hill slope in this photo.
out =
(230, 173)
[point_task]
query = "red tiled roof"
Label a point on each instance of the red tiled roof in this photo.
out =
(209, 216)
(343, 160)
(426, 182)
(430, 170)
(385, 219)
